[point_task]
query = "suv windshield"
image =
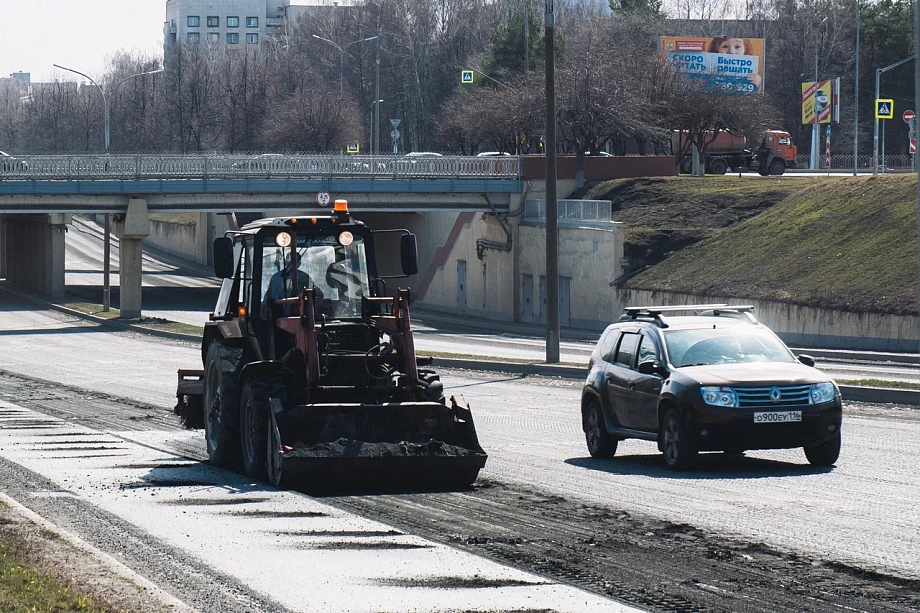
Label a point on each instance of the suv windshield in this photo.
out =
(337, 272)
(738, 344)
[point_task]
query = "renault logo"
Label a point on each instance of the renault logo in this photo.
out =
(775, 394)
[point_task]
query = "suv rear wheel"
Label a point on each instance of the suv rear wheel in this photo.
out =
(600, 443)
(824, 454)
(679, 452)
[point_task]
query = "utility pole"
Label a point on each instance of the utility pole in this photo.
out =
(856, 100)
(552, 216)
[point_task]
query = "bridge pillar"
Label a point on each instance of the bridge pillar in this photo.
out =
(131, 230)
(33, 252)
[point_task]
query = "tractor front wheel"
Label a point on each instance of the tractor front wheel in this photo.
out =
(220, 389)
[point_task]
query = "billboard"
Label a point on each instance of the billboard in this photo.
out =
(730, 65)
(821, 99)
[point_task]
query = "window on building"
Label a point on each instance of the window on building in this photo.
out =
(213, 21)
(213, 37)
(233, 22)
(252, 39)
(233, 38)
(194, 21)
(193, 37)
(252, 22)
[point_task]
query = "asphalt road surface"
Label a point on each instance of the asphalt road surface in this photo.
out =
(178, 290)
(551, 528)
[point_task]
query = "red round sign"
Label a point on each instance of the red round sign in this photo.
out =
(907, 116)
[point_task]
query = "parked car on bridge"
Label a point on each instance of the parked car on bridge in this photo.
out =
(711, 379)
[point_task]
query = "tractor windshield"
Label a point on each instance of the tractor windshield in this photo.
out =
(337, 272)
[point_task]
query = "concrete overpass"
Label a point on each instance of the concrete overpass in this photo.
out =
(38, 194)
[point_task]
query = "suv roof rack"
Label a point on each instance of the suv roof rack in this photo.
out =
(654, 313)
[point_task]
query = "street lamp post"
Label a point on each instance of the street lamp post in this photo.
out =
(107, 233)
(342, 56)
(814, 121)
(370, 144)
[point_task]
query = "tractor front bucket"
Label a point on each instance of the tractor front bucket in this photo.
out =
(351, 446)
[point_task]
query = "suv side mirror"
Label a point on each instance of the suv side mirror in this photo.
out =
(223, 258)
(649, 368)
(408, 251)
(807, 360)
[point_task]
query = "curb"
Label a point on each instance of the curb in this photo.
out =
(881, 395)
(149, 588)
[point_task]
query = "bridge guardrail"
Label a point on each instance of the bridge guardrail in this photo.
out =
(129, 167)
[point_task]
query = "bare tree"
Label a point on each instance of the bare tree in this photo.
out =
(312, 119)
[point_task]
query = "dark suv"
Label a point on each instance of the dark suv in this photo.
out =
(713, 379)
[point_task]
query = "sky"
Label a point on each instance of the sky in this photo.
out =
(79, 34)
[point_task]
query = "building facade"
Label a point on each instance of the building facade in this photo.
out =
(226, 22)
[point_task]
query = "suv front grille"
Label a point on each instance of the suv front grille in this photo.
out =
(789, 395)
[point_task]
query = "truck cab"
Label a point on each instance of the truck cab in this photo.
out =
(776, 152)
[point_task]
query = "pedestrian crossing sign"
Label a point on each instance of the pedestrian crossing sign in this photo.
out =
(884, 108)
(466, 76)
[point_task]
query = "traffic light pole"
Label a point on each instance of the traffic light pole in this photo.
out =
(878, 74)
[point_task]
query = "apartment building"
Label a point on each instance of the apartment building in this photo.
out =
(229, 22)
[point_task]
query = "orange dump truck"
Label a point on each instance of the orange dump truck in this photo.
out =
(772, 155)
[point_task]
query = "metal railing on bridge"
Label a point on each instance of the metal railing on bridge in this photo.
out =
(270, 166)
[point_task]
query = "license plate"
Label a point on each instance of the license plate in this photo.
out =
(777, 417)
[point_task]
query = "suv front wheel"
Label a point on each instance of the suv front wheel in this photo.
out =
(824, 454)
(679, 451)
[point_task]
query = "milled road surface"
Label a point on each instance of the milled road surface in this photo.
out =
(762, 533)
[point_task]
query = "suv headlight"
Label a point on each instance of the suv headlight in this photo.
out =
(822, 392)
(719, 396)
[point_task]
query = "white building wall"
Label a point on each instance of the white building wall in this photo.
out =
(265, 12)
(591, 257)
(802, 326)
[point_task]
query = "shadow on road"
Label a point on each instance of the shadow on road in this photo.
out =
(708, 466)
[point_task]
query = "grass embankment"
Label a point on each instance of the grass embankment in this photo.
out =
(666, 214)
(25, 587)
(847, 243)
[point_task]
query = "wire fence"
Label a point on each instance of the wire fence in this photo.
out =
(864, 162)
